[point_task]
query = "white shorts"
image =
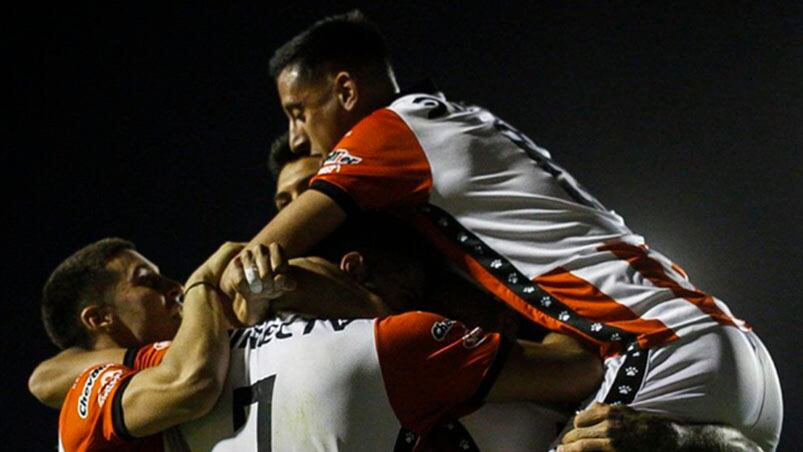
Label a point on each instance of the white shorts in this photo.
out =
(724, 376)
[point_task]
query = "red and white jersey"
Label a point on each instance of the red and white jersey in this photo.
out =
(298, 384)
(517, 223)
(91, 416)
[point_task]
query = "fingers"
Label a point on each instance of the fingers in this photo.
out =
(263, 270)
(597, 412)
(595, 431)
(253, 270)
(587, 445)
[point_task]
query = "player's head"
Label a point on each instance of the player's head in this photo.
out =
(329, 77)
(108, 290)
(291, 171)
(372, 256)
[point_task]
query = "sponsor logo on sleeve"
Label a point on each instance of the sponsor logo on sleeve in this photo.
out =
(107, 382)
(474, 338)
(441, 329)
(86, 391)
(336, 159)
(160, 345)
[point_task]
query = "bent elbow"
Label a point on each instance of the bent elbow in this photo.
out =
(39, 386)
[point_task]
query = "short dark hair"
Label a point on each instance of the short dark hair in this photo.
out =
(388, 244)
(280, 155)
(79, 281)
(345, 41)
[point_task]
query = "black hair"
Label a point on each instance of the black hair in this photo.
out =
(388, 245)
(347, 41)
(280, 155)
(79, 281)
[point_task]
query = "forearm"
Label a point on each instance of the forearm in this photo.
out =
(302, 224)
(188, 381)
(52, 378)
(550, 372)
(715, 438)
(620, 428)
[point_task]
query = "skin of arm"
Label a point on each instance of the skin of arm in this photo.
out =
(188, 381)
(558, 370)
(296, 228)
(52, 378)
(327, 303)
(619, 428)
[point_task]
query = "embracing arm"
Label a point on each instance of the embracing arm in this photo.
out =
(53, 377)
(295, 229)
(558, 370)
(186, 384)
(302, 224)
(619, 428)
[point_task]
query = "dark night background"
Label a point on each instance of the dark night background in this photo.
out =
(154, 125)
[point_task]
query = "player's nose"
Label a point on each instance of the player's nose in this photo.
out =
(173, 296)
(299, 142)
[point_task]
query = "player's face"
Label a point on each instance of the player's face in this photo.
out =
(294, 179)
(317, 120)
(146, 305)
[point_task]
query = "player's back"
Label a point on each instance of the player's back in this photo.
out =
(300, 385)
(500, 204)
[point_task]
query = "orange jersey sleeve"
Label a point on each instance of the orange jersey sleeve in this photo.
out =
(378, 164)
(147, 356)
(435, 368)
(92, 415)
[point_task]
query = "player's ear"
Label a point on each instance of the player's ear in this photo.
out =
(97, 318)
(346, 90)
(353, 264)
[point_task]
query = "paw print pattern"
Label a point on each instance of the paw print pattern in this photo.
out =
(564, 316)
(462, 237)
(624, 389)
(546, 301)
(496, 263)
(596, 327)
(631, 371)
(512, 278)
(616, 337)
(529, 289)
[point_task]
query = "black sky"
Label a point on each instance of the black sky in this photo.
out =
(153, 124)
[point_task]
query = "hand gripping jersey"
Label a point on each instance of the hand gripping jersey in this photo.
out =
(92, 416)
(517, 223)
(297, 384)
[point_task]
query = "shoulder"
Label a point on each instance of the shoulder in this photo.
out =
(87, 413)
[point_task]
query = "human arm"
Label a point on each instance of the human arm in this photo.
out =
(619, 428)
(436, 369)
(296, 228)
(186, 384)
(309, 285)
(51, 379)
(557, 370)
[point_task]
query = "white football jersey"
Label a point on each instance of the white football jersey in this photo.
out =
(298, 384)
(516, 222)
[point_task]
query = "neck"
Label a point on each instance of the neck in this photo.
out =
(105, 341)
